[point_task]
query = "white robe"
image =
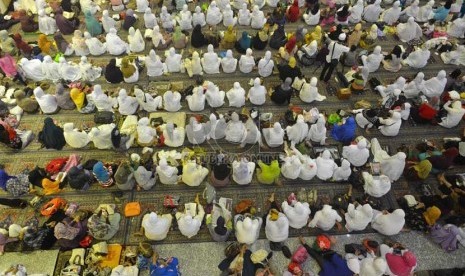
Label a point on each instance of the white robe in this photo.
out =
(185, 19)
(278, 230)
(373, 60)
(243, 171)
(425, 12)
(247, 229)
(325, 166)
(101, 101)
(409, 31)
(174, 137)
(190, 226)
(194, 65)
(214, 96)
(387, 91)
(88, 71)
(358, 218)
(391, 166)
(144, 178)
(454, 114)
(247, 62)
(266, 65)
(235, 129)
(413, 88)
(228, 17)
(193, 174)
(167, 174)
(142, 5)
(145, 133)
(198, 18)
(435, 85)
(47, 25)
(291, 166)
(236, 95)
(297, 132)
(147, 102)
(456, 28)
(456, 57)
(356, 12)
(150, 20)
(126, 105)
(309, 169)
(376, 186)
(69, 71)
(371, 12)
(258, 18)
(101, 136)
(317, 131)
(196, 132)
(412, 10)
(217, 127)
(32, 69)
(78, 44)
(115, 45)
(214, 15)
(155, 67)
(211, 62)
(244, 16)
(196, 101)
(47, 103)
(74, 138)
(309, 92)
(50, 69)
(229, 63)
(173, 61)
(357, 154)
(167, 21)
(252, 134)
(156, 227)
(391, 15)
(136, 41)
(343, 172)
(391, 125)
(172, 101)
(297, 214)
(257, 93)
(107, 22)
(325, 219)
(389, 224)
(274, 136)
(312, 19)
(95, 46)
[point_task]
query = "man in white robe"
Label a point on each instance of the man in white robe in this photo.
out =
(389, 224)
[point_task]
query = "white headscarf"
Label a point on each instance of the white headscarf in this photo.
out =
(257, 93)
(317, 132)
(214, 96)
(48, 103)
(196, 101)
(409, 31)
(150, 20)
(74, 138)
(69, 71)
(435, 86)
(211, 61)
(298, 132)
(235, 129)
(229, 63)
(265, 65)
(136, 41)
(358, 154)
(198, 18)
(115, 45)
(391, 15)
(325, 165)
(101, 136)
(107, 22)
(372, 11)
(47, 25)
(244, 15)
(343, 172)
(309, 92)
(126, 105)
(376, 187)
(274, 136)
(214, 15)
(185, 18)
(236, 95)
(155, 67)
(247, 62)
(50, 69)
(95, 46)
(173, 61)
(172, 101)
(32, 69)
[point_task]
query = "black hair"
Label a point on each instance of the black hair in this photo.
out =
(455, 74)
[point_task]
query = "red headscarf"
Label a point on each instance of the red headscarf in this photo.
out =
(293, 12)
(21, 44)
(290, 45)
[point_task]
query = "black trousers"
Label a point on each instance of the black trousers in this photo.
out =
(328, 70)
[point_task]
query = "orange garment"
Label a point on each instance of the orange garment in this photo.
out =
(50, 186)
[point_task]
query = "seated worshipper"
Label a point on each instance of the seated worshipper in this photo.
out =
(435, 85)
(213, 95)
(298, 132)
(88, 71)
(75, 138)
(179, 39)
(357, 154)
(14, 138)
(66, 26)
(258, 18)
(342, 15)
(388, 224)
(276, 228)
(290, 70)
(293, 12)
(27, 104)
(443, 161)
(223, 227)
(150, 20)
(51, 136)
(391, 15)
(257, 93)
(355, 35)
(24, 48)
(69, 70)
(220, 171)
(235, 129)
(156, 227)
(312, 16)
(265, 65)
(10, 69)
(409, 31)
(172, 101)
(142, 5)
(78, 44)
(282, 93)
(317, 131)
(145, 179)
(63, 98)
(399, 260)
(115, 45)
(236, 95)
(325, 165)
(135, 40)
(326, 218)
(373, 60)
(184, 18)
(448, 236)
(247, 228)
(193, 174)
(372, 12)
(198, 39)
(113, 73)
(103, 174)
(173, 61)
(168, 21)
(274, 136)
(210, 61)
(127, 105)
(376, 186)
(198, 18)
(101, 136)
(242, 171)
(124, 177)
(343, 172)
(47, 102)
(344, 131)
(214, 15)
(387, 91)
(196, 101)
(190, 220)
(244, 43)
(107, 21)
(146, 135)
(297, 213)
(418, 58)
(130, 70)
(252, 134)
(217, 127)
(260, 40)
(155, 67)
(278, 39)
(79, 99)
(47, 24)
(358, 218)
(95, 46)
(417, 171)
(289, 49)
(229, 38)
(46, 46)
(101, 101)
(455, 112)
(228, 16)
(309, 92)
(456, 28)
(391, 166)
(146, 101)
(93, 26)
(167, 174)
(391, 125)
(413, 88)
(31, 69)
(291, 166)
(247, 62)
(173, 136)
(196, 132)
(228, 62)
(129, 19)
(393, 61)
(28, 24)
(455, 57)
(268, 174)
(160, 41)
(243, 15)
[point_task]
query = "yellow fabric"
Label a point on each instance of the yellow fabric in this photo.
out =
(423, 168)
(78, 97)
(292, 62)
(50, 187)
(267, 174)
(431, 215)
(263, 33)
(230, 35)
(44, 44)
(127, 68)
(274, 214)
(315, 35)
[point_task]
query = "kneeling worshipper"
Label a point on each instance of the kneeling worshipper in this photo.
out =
(88, 71)
(257, 93)
(198, 18)
(456, 28)
(282, 93)
(160, 40)
(184, 18)
(398, 263)
(297, 133)
(145, 179)
(357, 154)
(247, 228)
(65, 26)
(51, 136)
(146, 101)
(193, 174)
(193, 65)
(268, 174)
(391, 166)
(167, 174)
(69, 71)
(115, 45)
(413, 88)
(190, 220)
(196, 101)
(265, 65)
(312, 17)
(276, 227)
(101, 101)
(95, 46)
(155, 67)
(101, 136)
(75, 138)
(376, 186)
(156, 227)
(214, 15)
(387, 91)
(243, 15)
(127, 105)
(326, 218)
(47, 103)
(220, 171)
(393, 61)
(274, 136)
(242, 171)
(236, 95)
(418, 58)
(252, 134)
(297, 213)
(107, 21)
(343, 172)
(24, 47)
(129, 19)
(130, 70)
(217, 127)
(290, 70)
(435, 85)
(213, 95)
(196, 132)
(27, 104)
(388, 224)
(391, 15)
(373, 60)
(244, 43)
(391, 125)
(63, 97)
(113, 73)
(172, 101)
(173, 61)
(372, 12)
(278, 39)
(317, 131)
(325, 165)
(47, 24)
(260, 40)
(228, 16)
(229, 63)
(235, 129)
(455, 112)
(32, 69)
(358, 218)
(344, 131)
(136, 41)
(258, 18)
(409, 31)
(146, 135)
(173, 136)
(309, 92)
(456, 57)
(210, 61)
(291, 166)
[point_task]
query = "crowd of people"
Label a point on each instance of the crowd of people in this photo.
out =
(146, 40)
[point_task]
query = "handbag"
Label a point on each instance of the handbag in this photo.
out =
(209, 193)
(77, 256)
(104, 117)
(132, 209)
(171, 201)
(52, 206)
(55, 166)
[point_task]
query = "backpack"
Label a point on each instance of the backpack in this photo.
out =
(55, 166)
(104, 117)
